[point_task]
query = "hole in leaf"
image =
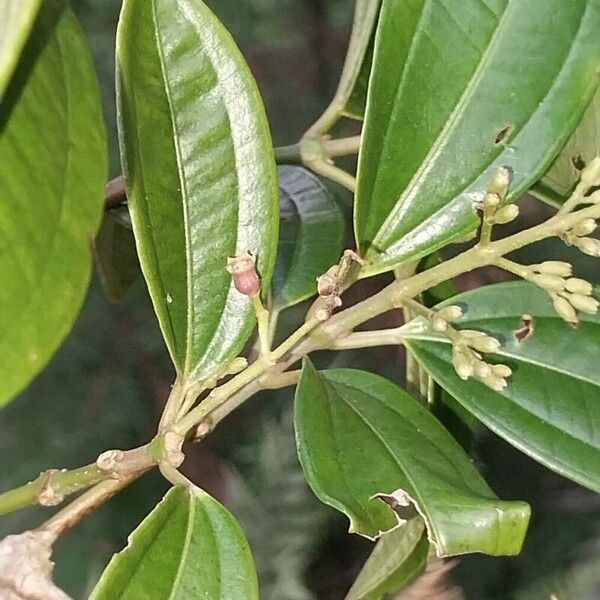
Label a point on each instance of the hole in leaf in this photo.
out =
(578, 162)
(526, 330)
(503, 134)
(593, 189)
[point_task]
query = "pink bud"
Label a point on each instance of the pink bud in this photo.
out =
(245, 277)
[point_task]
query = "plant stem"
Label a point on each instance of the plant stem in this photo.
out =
(342, 146)
(513, 267)
(62, 483)
(368, 339)
(327, 120)
(334, 173)
(221, 394)
(68, 517)
(56, 485)
(291, 154)
(262, 320)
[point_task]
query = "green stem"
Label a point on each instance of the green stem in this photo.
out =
(262, 319)
(327, 120)
(368, 339)
(291, 154)
(57, 485)
(62, 483)
(334, 173)
(342, 146)
(513, 267)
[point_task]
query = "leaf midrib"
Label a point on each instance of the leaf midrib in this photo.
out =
(183, 190)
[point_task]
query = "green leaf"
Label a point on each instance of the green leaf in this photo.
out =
(360, 436)
(115, 254)
(457, 90)
(559, 181)
(201, 175)
(311, 236)
(397, 558)
(354, 81)
(52, 176)
(189, 547)
(15, 25)
(549, 409)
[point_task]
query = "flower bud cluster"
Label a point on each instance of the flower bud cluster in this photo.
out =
(330, 284)
(442, 317)
(467, 350)
(491, 205)
(578, 236)
(569, 294)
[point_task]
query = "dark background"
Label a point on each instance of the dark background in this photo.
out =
(106, 386)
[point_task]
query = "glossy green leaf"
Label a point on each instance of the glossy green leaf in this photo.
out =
(457, 90)
(201, 175)
(360, 436)
(16, 21)
(115, 254)
(311, 235)
(53, 170)
(189, 547)
(584, 144)
(550, 408)
(398, 557)
(354, 81)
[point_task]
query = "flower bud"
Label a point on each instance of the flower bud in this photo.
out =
(586, 227)
(564, 309)
(482, 369)
(553, 283)
(588, 245)
(506, 214)
(585, 304)
(502, 371)
(471, 333)
(495, 383)
(491, 202)
(463, 365)
(449, 313)
(243, 271)
(554, 267)
(485, 344)
(590, 175)
(499, 183)
(439, 325)
(579, 286)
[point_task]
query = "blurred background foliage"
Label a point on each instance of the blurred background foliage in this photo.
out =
(106, 385)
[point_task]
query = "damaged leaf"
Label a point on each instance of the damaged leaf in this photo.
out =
(550, 408)
(360, 436)
(469, 79)
(559, 181)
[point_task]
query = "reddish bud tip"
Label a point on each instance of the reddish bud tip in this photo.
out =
(243, 271)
